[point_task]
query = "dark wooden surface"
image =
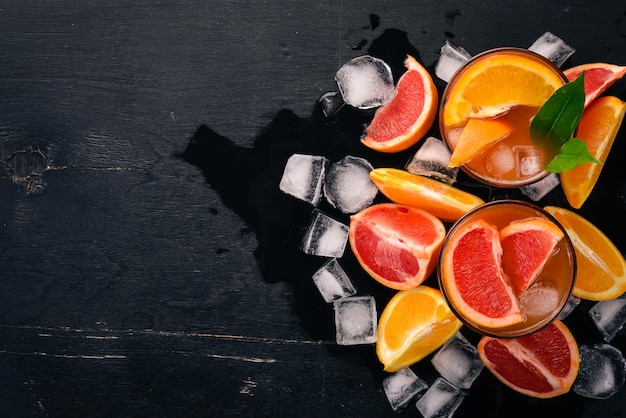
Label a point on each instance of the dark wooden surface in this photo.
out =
(149, 264)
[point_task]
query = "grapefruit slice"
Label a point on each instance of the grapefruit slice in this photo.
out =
(395, 244)
(599, 76)
(473, 278)
(403, 121)
(414, 323)
(598, 128)
(526, 247)
(543, 364)
(476, 136)
(442, 200)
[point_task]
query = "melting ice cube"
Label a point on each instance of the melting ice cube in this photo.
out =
(500, 160)
(356, 320)
(365, 82)
(347, 184)
(333, 282)
(609, 316)
(539, 300)
(569, 307)
(529, 160)
(458, 362)
(440, 400)
(331, 103)
(324, 236)
(303, 177)
(431, 160)
(553, 48)
(601, 372)
(539, 189)
(451, 58)
(401, 387)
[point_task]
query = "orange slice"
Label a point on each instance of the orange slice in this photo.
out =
(442, 200)
(476, 136)
(403, 121)
(498, 82)
(601, 268)
(395, 244)
(599, 76)
(526, 247)
(598, 128)
(413, 324)
(473, 278)
(543, 364)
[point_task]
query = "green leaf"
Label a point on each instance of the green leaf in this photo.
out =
(557, 119)
(573, 153)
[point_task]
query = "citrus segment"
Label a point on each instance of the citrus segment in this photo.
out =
(543, 364)
(601, 268)
(498, 82)
(403, 121)
(473, 278)
(442, 200)
(414, 323)
(599, 76)
(598, 128)
(476, 136)
(526, 247)
(395, 244)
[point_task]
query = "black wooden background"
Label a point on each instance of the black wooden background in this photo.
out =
(148, 263)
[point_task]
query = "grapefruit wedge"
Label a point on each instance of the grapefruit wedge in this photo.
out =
(543, 364)
(599, 76)
(395, 244)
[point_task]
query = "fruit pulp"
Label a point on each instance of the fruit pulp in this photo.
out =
(558, 274)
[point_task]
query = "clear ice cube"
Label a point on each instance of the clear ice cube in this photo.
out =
(347, 184)
(458, 362)
(609, 316)
(331, 103)
(500, 160)
(441, 399)
(569, 307)
(303, 177)
(539, 189)
(553, 48)
(324, 236)
(451, 58)
(431, 160)
(539, 299)
(333, 282)
(365, 82)
(401, 387)
(601, 371)
(355, 320)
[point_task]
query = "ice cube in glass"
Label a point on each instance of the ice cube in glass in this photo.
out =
(441, 400)
(402, 386)
(324, 236)
(458, 362)
(431, 160)
(601, 371)
(333, 282)
(365, 82)
(303, 177)
(356, 320)
(347, 184)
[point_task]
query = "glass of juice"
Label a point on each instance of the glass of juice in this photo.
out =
(504, 87)
(478, 272)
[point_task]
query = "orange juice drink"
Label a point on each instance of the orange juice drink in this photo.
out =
(481, 260)
(486, 111)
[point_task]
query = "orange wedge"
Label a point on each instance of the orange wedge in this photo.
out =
(442, 200)
(498, 82)
(476, 136)
(598, 128)
(601, 268)
(403, 121)
(414, 323)
(599, 76)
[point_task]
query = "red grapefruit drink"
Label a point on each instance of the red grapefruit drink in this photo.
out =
(507, 268)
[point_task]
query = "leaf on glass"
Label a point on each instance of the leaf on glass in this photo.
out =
(572, 154)
(557, 119)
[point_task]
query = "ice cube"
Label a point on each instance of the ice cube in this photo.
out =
(451, 58)
(500, 160)
(539, 189)
(347, 184)
(365, 82)
(458, 362)
(324, 236)
(401, 387)
(553, 48)
(356, 320)
(601, 371)
(609, 316)
(331, 103)
(529, 160)
(431, 160)
(539, 300)
(303, 177)
(569, 307)
(440, 400)
(333, 282)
